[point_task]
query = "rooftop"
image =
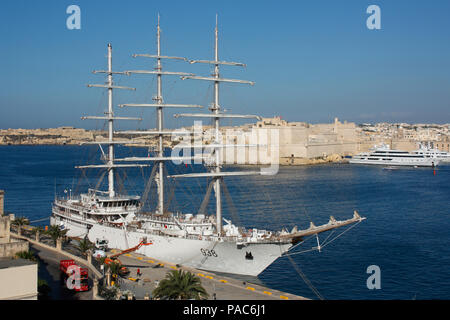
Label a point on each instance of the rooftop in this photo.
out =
(8, 263)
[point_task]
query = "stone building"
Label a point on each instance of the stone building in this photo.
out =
(309, 141)
(18, 277)
(443, 144)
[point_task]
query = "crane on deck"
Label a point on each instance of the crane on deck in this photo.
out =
(112, 258)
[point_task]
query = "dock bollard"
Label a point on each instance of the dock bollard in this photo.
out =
(89, 256)
(59, 244)
(95, 288)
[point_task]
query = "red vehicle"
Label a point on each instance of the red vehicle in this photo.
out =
(78, 275)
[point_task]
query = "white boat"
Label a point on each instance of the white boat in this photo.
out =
(384, 155)
(195, 239)
(432, 153)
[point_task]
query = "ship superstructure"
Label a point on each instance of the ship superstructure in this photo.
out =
(80, 212)
(428, 152)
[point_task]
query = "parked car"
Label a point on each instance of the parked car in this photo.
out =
(101, 244)
(99, 254)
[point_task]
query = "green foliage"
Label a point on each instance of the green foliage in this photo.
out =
(182, 285)
(36, 229)
(101, 260)
(20, 221)
(43, 289)
(114, 268)
(108, 293)
(84, 246)
(56, 233)
(28, 255)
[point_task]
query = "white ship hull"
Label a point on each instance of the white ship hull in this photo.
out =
(215, 256)
(401, 162)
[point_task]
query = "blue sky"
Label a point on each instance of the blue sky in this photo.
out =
(311, 60)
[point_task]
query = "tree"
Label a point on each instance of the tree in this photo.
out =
(19, 222)
(182, 285)
(56, 233)
(37, 229)
(114, 268)
(84, 246)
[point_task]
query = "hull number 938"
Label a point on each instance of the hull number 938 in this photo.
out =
(208, 253)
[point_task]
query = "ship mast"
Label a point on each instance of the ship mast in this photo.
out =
(215, 108)
(159, 105)
(109, 116)
(159, 101)
(111, 191)
(216, 115)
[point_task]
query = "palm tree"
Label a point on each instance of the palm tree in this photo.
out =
(84, 246)
(182, 285)
(19, 222)
(56, 233)
(114, 268)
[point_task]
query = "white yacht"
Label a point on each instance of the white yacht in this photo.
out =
(384, 155)
(432, 153)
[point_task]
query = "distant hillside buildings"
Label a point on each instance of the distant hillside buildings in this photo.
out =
(290, 142)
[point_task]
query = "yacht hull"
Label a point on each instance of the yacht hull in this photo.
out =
(396, 163)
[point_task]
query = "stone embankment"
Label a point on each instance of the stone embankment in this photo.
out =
(293, 161)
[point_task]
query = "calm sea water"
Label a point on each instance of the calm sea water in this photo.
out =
(406, 232)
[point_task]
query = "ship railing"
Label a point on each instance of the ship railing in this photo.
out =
(156, 218)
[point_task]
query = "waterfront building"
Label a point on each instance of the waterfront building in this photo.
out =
(443, 144)
(285, 142)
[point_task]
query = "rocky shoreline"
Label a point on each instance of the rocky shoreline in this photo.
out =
(51, 136)
(76, 136)
(294, 161)
(61, 136)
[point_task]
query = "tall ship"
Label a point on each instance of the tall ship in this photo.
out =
(384, 155)
(200, 239)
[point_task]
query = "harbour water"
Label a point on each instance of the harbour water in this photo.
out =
(406, 232)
